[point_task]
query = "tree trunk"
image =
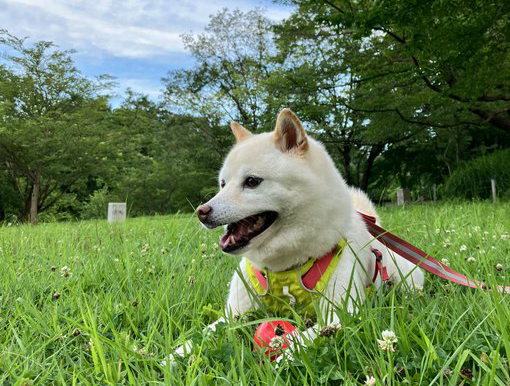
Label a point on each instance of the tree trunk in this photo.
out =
(374, 152)
(346, 160)
(34, 201)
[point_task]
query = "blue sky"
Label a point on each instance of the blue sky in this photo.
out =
(137, 41)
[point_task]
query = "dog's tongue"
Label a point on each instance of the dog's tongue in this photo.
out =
(225, 240)
(242, 229)
(233, 235)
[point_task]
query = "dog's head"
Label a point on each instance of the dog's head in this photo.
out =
(272, 192)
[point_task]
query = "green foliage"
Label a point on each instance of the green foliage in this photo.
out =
(50, 135)
(168, 160)
(232, 64)
(473, 179)
(10, 203)
(401, 93)
(97, 204)
(437, 63)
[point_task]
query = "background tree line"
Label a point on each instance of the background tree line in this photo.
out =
(403, 94)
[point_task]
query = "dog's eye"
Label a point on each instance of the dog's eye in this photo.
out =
(252, 182)
(222, 184)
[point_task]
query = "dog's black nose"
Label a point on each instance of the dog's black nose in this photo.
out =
(203, 211)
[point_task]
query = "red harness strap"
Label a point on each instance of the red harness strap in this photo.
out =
(260, 277)
(314, 274)
(380, 269)
(420, 258)
(310, 278)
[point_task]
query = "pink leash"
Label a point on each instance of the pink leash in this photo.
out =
(420, 258)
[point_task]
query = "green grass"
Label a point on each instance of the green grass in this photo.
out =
(139, 289)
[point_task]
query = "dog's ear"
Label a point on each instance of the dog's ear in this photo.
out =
(239, 131)
(289, 134)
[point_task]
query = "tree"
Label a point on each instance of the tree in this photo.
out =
(315, 76)
(233, 61)
(435, 63)
(169, 161)
(51, 136)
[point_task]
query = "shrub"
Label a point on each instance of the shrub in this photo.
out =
(472, 180)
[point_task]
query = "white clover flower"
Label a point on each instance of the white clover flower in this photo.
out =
(471, 259)
(330, 329)
(276, 342)
(145, 249)
(65, 271)
(463, 248)
(499, 267)
(385, 345)
(445, 261)
(389, 336)
(476, 228)
(370, 381)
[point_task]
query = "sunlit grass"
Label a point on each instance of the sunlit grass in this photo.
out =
(132, 292)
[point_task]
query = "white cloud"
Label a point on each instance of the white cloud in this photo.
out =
(141, 85)
(137, 41)
(128, 28)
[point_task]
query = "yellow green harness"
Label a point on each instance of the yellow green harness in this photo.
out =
(299, 288)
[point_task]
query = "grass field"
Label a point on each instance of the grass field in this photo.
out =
(94, 303)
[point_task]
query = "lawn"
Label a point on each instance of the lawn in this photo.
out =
(98, 303)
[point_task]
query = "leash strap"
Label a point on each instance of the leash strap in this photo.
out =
(420, 258)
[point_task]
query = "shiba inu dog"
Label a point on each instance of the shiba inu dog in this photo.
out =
(284, 206)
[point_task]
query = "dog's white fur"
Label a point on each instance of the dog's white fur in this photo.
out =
(315, 210)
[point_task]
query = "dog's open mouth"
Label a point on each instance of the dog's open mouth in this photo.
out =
(239, 234)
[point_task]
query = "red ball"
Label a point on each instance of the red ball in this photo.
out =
(268, 331)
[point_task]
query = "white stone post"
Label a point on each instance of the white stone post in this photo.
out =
(116, 211)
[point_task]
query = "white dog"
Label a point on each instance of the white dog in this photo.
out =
(284, 205)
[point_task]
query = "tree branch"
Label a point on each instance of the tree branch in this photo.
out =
(408, 120)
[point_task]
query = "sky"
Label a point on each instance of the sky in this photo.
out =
(136, 41)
